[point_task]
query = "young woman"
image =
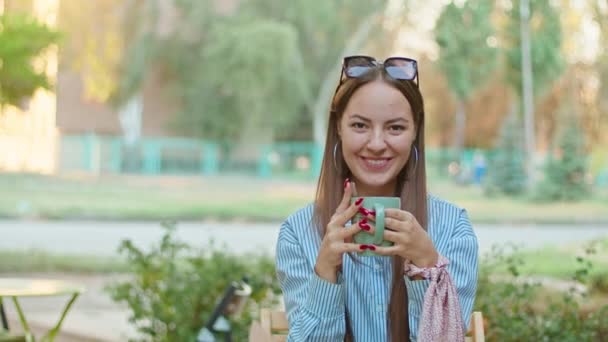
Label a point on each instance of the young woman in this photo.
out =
(421, 288)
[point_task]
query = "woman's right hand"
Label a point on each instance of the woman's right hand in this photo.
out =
(338, 238)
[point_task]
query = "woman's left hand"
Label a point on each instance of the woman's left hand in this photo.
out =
(410, 240)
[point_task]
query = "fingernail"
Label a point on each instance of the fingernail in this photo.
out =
(365, 226)
(371, 212)
(363, 221)
(363, 247)
(346, 181)
(359, 201)
(363, 211)
(371, 247)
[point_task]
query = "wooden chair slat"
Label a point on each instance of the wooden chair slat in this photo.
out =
(279, 322)
(276, 324)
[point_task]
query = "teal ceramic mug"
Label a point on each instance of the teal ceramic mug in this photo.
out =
(377, 204)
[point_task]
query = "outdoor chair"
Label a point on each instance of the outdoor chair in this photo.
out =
(5, 335)
(273, 327)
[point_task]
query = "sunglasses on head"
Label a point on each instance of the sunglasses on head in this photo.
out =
(399, 68)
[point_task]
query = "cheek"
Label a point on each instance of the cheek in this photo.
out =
(402, 145)
(353, 142)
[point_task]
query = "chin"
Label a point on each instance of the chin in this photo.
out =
(375, 180)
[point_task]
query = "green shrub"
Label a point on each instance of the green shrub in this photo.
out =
(506, 172)
(566, 167)
(522, 311)
(175, 287)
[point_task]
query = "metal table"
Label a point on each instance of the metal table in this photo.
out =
(29, 287)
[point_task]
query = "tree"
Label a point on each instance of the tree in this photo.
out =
(268, 62)
(545, 43)
(466, 56)
(601, 120)
(92, 52)
(545, 54)
(506, 168)
(22, 40)
(327, 31)
(566, 167)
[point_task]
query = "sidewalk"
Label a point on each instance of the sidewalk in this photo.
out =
(94, 317)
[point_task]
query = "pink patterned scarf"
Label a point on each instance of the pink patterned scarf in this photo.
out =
(441, 319)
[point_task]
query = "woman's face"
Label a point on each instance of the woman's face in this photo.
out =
(377, 132)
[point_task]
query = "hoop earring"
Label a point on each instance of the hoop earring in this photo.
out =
(335, 151)
(416, 156)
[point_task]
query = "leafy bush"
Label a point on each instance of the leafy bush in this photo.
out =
(566, 168)
(517, 310)
(175, 287)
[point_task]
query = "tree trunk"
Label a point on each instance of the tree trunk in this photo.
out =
(459, 128)
(527, 91)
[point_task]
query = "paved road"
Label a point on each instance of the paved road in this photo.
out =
(103, 238)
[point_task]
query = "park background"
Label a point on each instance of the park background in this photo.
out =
(209, 116)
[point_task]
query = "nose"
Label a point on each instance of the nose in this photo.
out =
(377, 142)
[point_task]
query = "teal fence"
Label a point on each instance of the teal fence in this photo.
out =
(154, 156)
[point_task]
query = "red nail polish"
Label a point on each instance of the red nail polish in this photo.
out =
(363, 247)
(365, 226)
(372, 212)
(359, 201)
(346, 181)
(371, 247)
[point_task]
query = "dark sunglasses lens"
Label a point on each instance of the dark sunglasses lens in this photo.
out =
(401, 69)
(356, 71)
(357, 66)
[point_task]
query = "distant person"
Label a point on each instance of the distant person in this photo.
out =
(480, 167)
(375, 140)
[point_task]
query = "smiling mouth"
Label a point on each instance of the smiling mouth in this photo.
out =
(376, 163)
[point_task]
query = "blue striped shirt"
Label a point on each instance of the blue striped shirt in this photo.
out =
(316, 308)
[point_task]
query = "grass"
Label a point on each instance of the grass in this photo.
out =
(149, 198)
(44, 262)
(225, 198)
(562, 261)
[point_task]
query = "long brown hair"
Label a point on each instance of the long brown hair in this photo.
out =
(411, 184)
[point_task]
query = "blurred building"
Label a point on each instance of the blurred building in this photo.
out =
(31, 138)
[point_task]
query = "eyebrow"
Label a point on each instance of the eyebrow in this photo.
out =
(361, 117)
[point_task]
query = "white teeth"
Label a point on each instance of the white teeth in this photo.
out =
(376, 162)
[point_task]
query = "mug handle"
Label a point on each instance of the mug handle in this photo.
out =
(379, 236)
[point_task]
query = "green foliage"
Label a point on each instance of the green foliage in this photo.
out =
(506, 168)
(465, 57)
(175, 288)
(22, 39)
(259, 88)
(565, 168)
(259, 67)
(520, 310)
(545, 45)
